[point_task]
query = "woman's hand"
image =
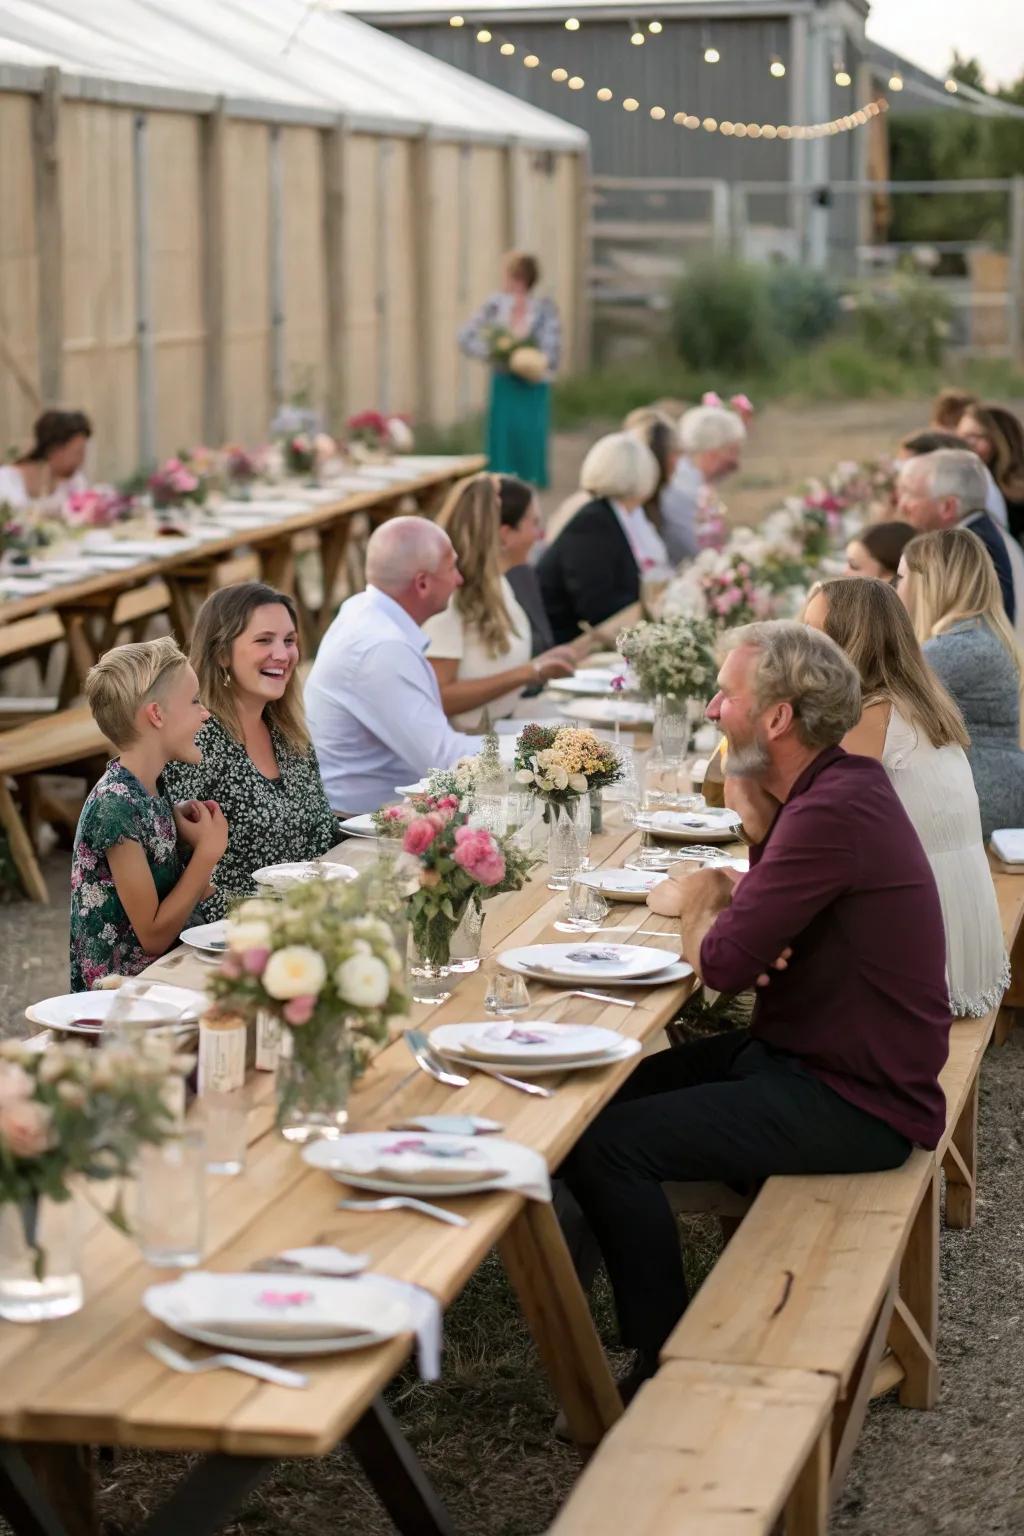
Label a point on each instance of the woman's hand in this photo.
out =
(558, 662)
(757, 808)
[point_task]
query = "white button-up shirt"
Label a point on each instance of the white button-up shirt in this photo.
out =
(644, 540)
(374, 705)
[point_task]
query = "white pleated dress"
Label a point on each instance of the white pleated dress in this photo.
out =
(936, 788)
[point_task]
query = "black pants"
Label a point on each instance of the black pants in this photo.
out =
(728, 1108)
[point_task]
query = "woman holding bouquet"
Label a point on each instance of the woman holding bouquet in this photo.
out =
(520, 335)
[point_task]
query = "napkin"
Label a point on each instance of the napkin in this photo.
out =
(508, 1163)
(411, 1160)
(272, 1306)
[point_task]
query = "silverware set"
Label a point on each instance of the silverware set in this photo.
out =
(428, 1060)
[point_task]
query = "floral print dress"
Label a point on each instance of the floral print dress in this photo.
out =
(270, 821)
(118, 810)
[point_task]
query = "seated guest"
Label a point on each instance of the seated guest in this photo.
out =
(594, 567)
(946, 489)
(909, 722)
(876, 550)
(839, 1071)
(712, 441)
(952, 596)
(257, 759)
(997, 437)
(480, 646)
(130, 894)
(52, 466)
(928, 442)
(662, 438)
(520, 532)
(372, 696)
(948, 408)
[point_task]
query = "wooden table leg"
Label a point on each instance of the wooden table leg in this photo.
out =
(913, 1336)
(46, 1490)
(395, 1473)
(537, 1262)
(22, 851)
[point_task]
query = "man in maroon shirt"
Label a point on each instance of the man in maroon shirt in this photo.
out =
(839, 921)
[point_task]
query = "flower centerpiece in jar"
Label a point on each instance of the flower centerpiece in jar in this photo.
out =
(241, 469)
(177, 483)
(564, 767)
(98, 507)
(372, 438)
(67, 1113)
(326, 968)
(673, 661)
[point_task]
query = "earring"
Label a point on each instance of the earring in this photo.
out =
(225, 678)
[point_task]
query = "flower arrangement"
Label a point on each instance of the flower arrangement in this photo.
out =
(377, 433)
(672, 656)
(97, 507)
(300, 454)
(560, 763)
(21, 533)
(177, 483)
(241, 468)
(68, 1110)
(517, 354)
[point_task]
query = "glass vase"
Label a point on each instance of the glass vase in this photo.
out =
(40, 1259)
(430, 969)
(568, 840)
(464, 951)
(314, 1074)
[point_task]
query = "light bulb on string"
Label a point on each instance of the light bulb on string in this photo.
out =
(576, 82)
(559, 75)
(531, 61)
(658, 114)
(654, 27)
(638, 39)
(508, 49)
(711, 55)
(777, 68)
(483, 36)
(843, 77)
(572, 24)
(952, 86)
(895, 82)
(630, 104)
(604, 94)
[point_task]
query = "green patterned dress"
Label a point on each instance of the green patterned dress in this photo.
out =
(118, 810)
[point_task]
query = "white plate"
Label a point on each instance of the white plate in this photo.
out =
(607, 711)
(419, 788)
(359, 826)
(161, 1005)
(691, 826)
(590, 683)
(569, 962)
(211, 937)
(393, 1318)
(331, 1156)
(678, 970)
(282, 877)
(621, 884)
(622, 1052)
(560, 1043)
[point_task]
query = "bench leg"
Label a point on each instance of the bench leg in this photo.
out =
(915, 1322)
(1006, 1019)
(960, 1165)
(538, 1265)
(849, 1413)
(22, 851)
(806, 1512)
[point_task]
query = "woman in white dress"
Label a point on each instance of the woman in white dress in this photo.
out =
(910, 723)
(481, 645)
(52, 467)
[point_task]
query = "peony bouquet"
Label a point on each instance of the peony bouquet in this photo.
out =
(378, 433)
(674, 656)
(97, 507)
(240, 468)
(517, 354)
(560, 763)
(177, 482)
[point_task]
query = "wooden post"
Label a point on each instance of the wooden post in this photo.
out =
(512, 212)
(49, 235)
(213, 178)
(333, 149)
(423, 275)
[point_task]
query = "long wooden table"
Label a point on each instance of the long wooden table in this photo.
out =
(87, 1381)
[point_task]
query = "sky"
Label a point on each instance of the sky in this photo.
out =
(927, 31)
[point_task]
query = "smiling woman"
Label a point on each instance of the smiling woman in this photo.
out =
(257, 759)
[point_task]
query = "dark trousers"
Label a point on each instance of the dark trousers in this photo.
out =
(727, 1108)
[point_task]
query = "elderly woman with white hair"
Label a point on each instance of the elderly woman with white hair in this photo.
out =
(712, 440)
(595, 566)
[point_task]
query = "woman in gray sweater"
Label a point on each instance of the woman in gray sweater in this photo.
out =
(952, 594)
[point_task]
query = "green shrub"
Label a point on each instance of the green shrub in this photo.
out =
(804, 303)
(721, 318)
(908, 320)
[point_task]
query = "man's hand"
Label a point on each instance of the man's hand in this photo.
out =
(755, 805)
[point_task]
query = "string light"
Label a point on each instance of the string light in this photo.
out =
(711, 56)
(558, 75)
(630, 104)
(531, 61)
(572, 24)
(638, 39)
(456, 21)
(655, 27)
(508, 49)
(777, 68)
(951, 86)
(843, 77)
(483, 36)
(604, 94)
(658, 113)
(576, 83)
(895, 82)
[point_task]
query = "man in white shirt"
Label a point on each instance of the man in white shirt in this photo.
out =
(372, 699)
(712, 440)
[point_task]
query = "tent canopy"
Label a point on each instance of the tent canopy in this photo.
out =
(294, 55)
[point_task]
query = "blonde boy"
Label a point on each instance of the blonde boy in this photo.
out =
(130, 895)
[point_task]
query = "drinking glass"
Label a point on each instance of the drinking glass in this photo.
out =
(170, 1215)
(223, 1118)
(586, 910)
(506, 993)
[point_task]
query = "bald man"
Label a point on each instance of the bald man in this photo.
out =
(372, 699)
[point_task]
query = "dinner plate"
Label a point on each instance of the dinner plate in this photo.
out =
(281, 877)
(332, 1155)
(607, 711)
(392, 1318)
(536, 1040)
(597, 684)
(622, 1052)
(211, 937)
(359, 826)
(691, 826)
(678, 970)
(588, 960)
(73, 1012)
(419, 788)
(621, 884)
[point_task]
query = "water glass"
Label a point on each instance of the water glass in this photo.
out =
(224, 1123)
(170, 1214)
(506, 993)
(587, 909)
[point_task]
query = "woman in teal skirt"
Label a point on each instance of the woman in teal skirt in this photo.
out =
(521, 337)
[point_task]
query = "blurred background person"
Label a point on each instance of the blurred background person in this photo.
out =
(52, 467)
(712, 441)
(946, 489)
(997, 437)
(877, 549)
(931, 441)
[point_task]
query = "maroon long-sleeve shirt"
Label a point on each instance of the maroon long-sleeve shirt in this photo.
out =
(842, 878)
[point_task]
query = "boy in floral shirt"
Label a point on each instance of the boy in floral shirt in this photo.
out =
(130, 896)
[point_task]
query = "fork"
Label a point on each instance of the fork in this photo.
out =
(601, 997)
(405, 1203)
(428, 1060)
(260, 1368)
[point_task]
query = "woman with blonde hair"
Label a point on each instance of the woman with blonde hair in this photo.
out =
(481, 645)
(949, 586)
(912, 726)
(258, 762)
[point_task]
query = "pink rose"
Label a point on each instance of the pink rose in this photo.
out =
(299, 1010)
(15, 1083)
(25, 1127)
(732, 595)
(419, 834)
(742, 406)
(254, 961)
(479, 855)
(710, 397)
(231, 967)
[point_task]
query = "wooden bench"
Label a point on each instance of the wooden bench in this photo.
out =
(64, 740)
(834, 1277)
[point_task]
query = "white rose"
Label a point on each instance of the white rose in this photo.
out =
(243, 936)
(361, 947)
(363, 981)
(53, 1065)
(255, 907)
(295, 971)
(578, 782)
(15, 1083)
